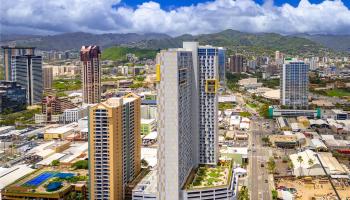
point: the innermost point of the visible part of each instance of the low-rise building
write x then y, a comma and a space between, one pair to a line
339, 114
307, 163
60, 133
249, 83
274, 111
150, 138
147, 126
283, 141
40, 185
146, 189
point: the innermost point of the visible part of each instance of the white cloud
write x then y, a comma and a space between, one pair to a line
99, 16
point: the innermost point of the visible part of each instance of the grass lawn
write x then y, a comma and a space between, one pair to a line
252, 105
338, 92
225, 106
67, 84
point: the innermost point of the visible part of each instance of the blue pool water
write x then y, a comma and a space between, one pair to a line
47, 175
40, 179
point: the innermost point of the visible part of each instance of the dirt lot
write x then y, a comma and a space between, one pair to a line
320, 188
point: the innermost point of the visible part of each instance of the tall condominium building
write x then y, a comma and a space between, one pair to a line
47, 77
114, 146
12, 97
222, 64
187, 110
205, 59
236, 64
178, 141
8, 52
294, 84
91, 74
27, 72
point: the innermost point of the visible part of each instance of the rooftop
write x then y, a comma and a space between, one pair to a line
39, 182
209, 176
9, 175
148, 185
147, 121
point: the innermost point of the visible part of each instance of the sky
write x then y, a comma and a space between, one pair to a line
174, 17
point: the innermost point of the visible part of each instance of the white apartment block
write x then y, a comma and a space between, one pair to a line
187, 114
74, 114
176, 151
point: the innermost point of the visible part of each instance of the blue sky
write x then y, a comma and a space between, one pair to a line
168, 4
175, 17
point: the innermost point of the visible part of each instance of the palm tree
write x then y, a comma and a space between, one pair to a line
300, 160
310, 162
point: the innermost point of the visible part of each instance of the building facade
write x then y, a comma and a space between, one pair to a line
91, 74
27, 72
114, 146
187, 114
12, 97
236, 64
222, 64
295, 84
8, 52
53, 106
47, 77
177, 144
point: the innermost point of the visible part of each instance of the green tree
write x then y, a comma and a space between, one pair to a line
81, 164
144, 163
310, 162
55, 163
245, 114
271, 165
264, 110
300, 160
274, 194
243, 194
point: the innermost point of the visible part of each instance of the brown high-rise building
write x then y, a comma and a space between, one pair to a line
8, 52
114, 146
47, 77
91, 73
236, 64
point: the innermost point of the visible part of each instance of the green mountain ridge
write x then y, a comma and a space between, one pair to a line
234, 40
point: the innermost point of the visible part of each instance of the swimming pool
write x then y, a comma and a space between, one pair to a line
40, 179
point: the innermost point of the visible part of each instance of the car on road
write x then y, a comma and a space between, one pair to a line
262, 165
266, 181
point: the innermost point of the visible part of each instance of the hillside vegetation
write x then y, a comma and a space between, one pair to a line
119, 53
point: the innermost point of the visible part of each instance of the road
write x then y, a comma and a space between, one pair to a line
259, 177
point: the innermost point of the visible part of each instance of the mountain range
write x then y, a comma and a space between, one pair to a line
228, 38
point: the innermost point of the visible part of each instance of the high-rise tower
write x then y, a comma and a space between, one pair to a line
295, 84
177, 145
114, 146
91, 73
187, 111
8, 52
47, 77
27, 72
